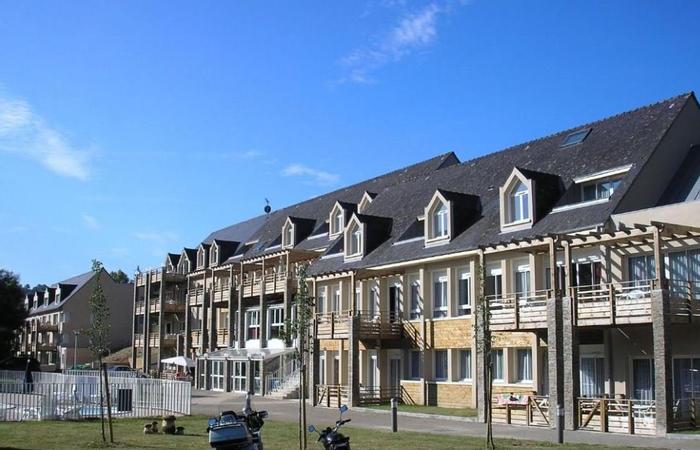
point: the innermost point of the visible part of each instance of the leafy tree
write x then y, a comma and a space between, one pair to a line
120, 276
99, 335
300, 329
13, 312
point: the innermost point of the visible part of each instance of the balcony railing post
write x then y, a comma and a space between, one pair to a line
516, 310
611, 299
603, 415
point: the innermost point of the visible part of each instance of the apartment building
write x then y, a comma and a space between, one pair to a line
58, 317
567, 267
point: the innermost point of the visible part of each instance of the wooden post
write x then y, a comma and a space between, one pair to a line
553, 268
659, 259
630, 419
603, 415
611, 299
516, 311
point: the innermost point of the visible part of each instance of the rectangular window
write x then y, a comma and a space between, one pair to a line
217, 375
497, 364
598, 190
441, 365
415, 365
686, 378
372, 372
440, 222
321, 300
253, 324
465, 364
275, 319
683, 267
494, 286
522, 282
335, 306
464, 302
416, 304
643, 379
524, 364
592, 376
439, 294
238, 376
641, 268
322, 369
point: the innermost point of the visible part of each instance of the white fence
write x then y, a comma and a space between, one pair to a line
54, 396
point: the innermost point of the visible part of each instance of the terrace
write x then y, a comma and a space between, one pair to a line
371, 325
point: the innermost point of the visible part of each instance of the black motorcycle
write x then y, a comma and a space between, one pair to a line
237, 431
330, 438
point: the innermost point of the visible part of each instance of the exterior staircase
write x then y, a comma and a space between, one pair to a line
287, 388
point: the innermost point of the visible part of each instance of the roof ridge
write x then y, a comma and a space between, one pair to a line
685, 96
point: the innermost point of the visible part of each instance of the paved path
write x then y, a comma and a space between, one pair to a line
211, 403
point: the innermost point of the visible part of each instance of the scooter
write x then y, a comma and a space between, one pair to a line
232, 431
330, 438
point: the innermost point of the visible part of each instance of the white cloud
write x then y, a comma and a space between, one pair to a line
412, 32
25, 133
249, 154
90, 222
119, 252
313, 176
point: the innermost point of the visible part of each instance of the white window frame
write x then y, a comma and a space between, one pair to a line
336, 221
288, 234
446, 362
416, 306
354, 239
216, 377
321, 300
464, 309
465, 374
275, 321
442, 278
239, 376
336, 299
519, 368
519, 201
494, 354
250, 313
441, 222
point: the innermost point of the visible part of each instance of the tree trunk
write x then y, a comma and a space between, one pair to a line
109, 404
304, 387
102, 410
489, 408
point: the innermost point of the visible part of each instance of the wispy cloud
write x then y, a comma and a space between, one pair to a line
25, 133
311, 176
90, 222
119, 252
249, 154
162, 237
413, 31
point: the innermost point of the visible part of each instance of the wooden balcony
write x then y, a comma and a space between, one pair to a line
336, 325
518, 311
222, 338
46, 326
622, 303
154, 339
158, 275
140, 307
46, 346
138, 340
221, 292
170, 339
528, 410
685, 300
196, 338
275, 283
332, 394
195, 296
627, 416
173, 305
154, 305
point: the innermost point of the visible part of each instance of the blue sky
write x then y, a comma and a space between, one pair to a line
128, 129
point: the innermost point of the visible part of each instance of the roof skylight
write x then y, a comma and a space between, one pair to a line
575, 138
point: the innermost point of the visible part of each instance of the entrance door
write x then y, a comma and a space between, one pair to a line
395, 376
393, 303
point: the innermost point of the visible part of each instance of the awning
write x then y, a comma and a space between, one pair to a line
243, 354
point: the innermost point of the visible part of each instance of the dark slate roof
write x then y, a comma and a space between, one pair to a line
239, 232
318, 208
174, 258
627, 138
69, 287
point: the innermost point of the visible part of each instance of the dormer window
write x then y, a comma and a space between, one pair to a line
214, 254
440, 221
367, 198
598, 190
519, 203
354, 239
337, 220
200, 258
288, 234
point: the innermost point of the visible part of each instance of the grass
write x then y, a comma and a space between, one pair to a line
460, 412
276, 435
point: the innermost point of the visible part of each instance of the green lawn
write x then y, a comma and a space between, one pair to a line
461, 412
276, 435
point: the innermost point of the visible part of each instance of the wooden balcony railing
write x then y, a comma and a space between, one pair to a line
170, 339
138, 339
196, 338
46, 326
174, 305
195, 296
140, 307
617, 415
222, 338
154, 339
376, 325
685, 299
332, 394
686, 413
529, 410
378, 395
627, 302
275, 282
518, 310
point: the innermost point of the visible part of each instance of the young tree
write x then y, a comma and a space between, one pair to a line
483, 342
300, 329
99, 345
13, 311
